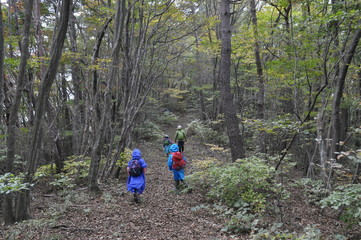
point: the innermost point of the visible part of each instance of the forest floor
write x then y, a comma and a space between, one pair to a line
162, 214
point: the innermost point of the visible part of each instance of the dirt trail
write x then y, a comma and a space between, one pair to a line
165, 214
162, 214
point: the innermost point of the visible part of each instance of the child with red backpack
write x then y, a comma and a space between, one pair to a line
136, 174
177, 163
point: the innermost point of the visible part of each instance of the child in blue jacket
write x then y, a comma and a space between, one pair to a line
136, 182
166, 144
178, 175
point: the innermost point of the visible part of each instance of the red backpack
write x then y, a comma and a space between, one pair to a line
178, 161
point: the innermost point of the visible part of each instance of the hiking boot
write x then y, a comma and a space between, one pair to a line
185, 185
136, 196
176, 185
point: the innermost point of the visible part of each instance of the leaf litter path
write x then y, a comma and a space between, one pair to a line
162, 214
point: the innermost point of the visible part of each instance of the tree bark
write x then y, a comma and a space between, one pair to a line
78, 111
215, 102
47, 81
337, 96
13, 116
39, 35
261, 88
105, 118
322, 147
203, 114
235, 139
2, 56
139, 43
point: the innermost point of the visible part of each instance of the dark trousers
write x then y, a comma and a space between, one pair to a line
181, 146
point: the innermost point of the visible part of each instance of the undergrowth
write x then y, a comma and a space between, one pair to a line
240, 189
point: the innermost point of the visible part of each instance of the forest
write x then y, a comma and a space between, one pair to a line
267, 91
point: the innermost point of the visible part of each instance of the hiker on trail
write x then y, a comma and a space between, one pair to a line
176, 163
136, 174
180, 138
166, 144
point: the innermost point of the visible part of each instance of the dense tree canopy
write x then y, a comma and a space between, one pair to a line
83, 79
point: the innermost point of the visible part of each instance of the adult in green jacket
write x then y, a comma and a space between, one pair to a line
180, 138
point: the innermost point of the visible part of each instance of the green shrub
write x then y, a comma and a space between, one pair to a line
275, 232
167, 118
124, 158
314, 189
148, 131
245, 181
201, 172
44, 172
77, 167
206, 133
310, 233
10, 183
62, 181
75, 171
240, 223
277, 131
346, 198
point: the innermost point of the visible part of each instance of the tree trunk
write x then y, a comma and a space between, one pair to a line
344, 123
137, 77
235, 139
105, 118
2, 56
357, 118
39, 35
13, 12
322, 148
214, 60
337, 96
215, 101
202, 105
47, 81
78, 111
203, 114
261, 88
13, 116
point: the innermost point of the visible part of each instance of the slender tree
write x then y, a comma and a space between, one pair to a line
77, 85
339, 89
2, 56
105, 117
13, 116
39, 35
260, 76
233, 132
47, 82
140, 41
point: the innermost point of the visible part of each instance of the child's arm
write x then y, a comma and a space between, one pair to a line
170, 163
